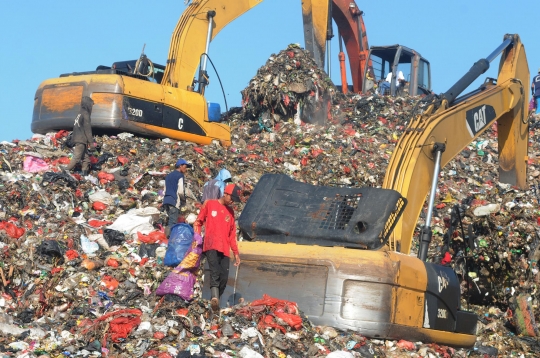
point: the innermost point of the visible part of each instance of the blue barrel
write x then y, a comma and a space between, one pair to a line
214, 112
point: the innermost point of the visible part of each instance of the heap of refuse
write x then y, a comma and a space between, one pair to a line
290, 84
81, 258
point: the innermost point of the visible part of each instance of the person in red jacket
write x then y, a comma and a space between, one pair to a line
217, 216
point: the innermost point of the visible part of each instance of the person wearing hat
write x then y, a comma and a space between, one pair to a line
217, 216
535, 87
175, 194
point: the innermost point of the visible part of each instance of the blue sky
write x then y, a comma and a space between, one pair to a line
42, 39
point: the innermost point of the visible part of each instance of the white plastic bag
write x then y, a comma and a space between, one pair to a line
101, 196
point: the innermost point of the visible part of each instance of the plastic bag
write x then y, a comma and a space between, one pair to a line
292, 320
34, 165
89, 247
101, 196
181, 280
11, 229
99, 206
152, 238
113, 237
178, 283
179, 242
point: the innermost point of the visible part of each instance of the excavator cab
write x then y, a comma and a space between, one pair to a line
395, 58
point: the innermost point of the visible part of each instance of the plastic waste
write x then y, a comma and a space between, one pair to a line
487, 209
247, 352
179, 242
89, 247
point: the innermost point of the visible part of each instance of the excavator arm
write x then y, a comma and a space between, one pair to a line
350, 24
454, 123
204, 19
189, 39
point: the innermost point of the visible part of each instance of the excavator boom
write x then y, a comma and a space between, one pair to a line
350, 24
456, 123
189, 38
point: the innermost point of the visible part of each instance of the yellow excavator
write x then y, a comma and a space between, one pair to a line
146, 98
343, 254
151, 99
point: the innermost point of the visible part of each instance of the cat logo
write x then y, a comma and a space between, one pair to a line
443, 281
479, 118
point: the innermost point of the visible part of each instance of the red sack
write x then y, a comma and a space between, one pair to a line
99, 206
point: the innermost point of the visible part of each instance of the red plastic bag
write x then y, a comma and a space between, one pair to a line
105, 176
153, 237
269, 322
122, 160
12, 230
121, 327
292, 320
98, 223
276, 305
109, 282
99, 206
71, 254
403, 344
61, 134
112, 263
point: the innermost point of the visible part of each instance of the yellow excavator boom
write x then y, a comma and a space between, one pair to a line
456, 123
189, 37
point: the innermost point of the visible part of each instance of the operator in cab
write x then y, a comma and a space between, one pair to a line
385, 85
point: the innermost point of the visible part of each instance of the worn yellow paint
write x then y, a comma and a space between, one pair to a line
317, 11
449, 338
59, 99
408, 308
107, 99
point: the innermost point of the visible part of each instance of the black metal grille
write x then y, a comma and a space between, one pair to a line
340, 212
392, 219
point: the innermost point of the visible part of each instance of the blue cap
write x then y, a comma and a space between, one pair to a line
182, 161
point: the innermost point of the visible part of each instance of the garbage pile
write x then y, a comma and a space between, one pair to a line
81, 258
289, 85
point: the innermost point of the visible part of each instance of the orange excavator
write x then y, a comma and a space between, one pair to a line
368, 67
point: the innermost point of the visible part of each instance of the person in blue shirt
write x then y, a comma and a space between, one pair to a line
175, 193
